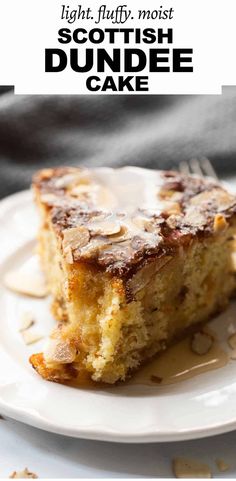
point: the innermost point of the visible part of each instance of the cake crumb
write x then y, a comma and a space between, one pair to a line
23, 474
222, 465
190, 468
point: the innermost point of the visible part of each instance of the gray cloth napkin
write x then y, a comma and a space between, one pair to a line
150, 131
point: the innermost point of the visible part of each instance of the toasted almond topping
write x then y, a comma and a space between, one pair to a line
93, 247
31, 337
48, 198
68, 255
46, 173
26, 321
123, 235
173, 209
140, 221
232, 341
105, 228
69, 180
23, 474
201, 343
145, 224
195, 218
75, 238
173, 221
77, 190
32, 285
220, 223
222, 465
190, 468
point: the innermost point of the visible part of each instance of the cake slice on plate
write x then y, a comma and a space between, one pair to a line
133, 258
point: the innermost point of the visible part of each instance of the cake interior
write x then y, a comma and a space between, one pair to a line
103, 333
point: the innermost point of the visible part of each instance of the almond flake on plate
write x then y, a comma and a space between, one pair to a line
201, 343
32, 285
31, 337
222, 465
23, 474
27, 320
190, 468
233, 355
232, 341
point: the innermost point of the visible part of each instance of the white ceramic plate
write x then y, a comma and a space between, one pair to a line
202, 406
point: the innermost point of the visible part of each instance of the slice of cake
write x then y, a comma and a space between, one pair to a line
133, 258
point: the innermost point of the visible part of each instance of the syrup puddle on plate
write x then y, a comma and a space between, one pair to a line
179, 363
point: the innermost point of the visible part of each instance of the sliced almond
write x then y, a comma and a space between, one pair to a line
145, 224
32, 285
105, 228
71, 179
232, 341
59, 351
81, 189
195, 218
31, 337
201, 343
69, 255
220, 223
23, 474
48, 198
26, 321
140, 222
173, 221
173, 209
233, 355
123, 235
76, 237
190, 468
222, 465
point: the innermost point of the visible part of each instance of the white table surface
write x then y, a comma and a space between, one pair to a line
53, 456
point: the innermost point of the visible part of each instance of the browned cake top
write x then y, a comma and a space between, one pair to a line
119, 219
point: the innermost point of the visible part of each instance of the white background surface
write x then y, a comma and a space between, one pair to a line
54, 456
207, 26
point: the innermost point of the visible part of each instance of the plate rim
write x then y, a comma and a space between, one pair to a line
146, 435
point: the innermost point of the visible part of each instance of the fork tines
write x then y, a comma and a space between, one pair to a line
202, 167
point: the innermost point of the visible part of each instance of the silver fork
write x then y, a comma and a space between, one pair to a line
202, 167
